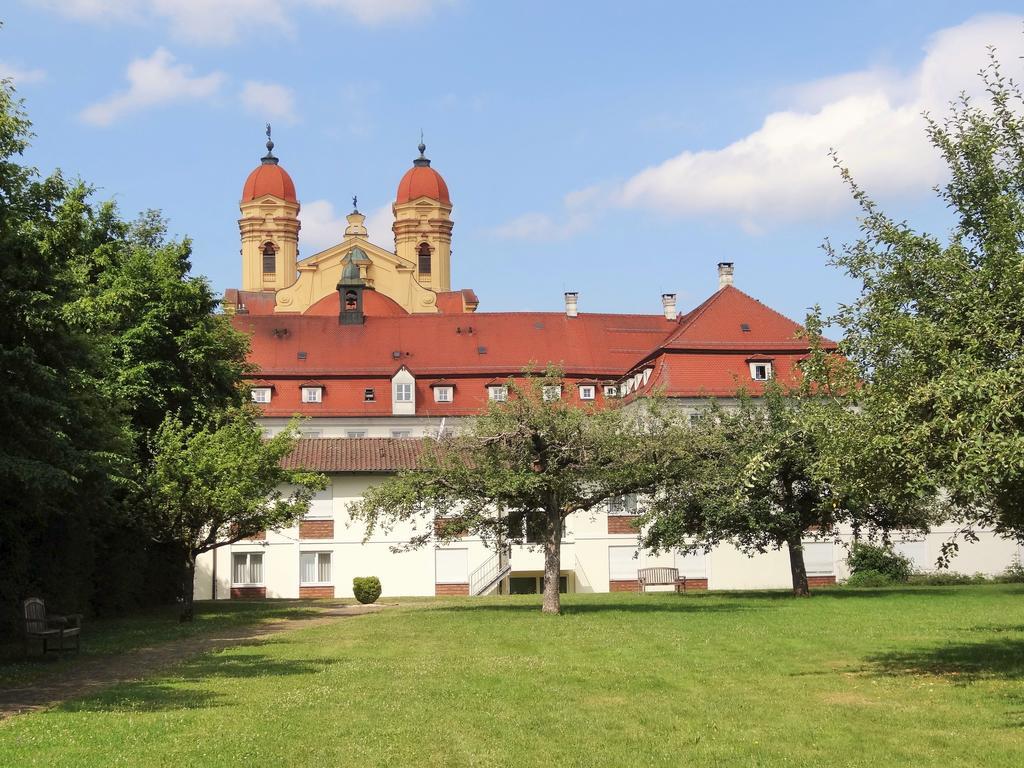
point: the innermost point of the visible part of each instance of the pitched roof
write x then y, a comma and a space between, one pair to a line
354, 454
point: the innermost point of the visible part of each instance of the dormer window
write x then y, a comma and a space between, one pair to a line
312, 394
587, 392
497, 393
269, 259
610, 390
369, 395
761, 371
552, 392
423, 254
443, 394
260, 394
403, 393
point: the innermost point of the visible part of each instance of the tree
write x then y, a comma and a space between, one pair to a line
218, 484
937, 331
761, 475
518, 471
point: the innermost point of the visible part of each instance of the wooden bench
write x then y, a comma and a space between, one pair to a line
658, 577
50, 628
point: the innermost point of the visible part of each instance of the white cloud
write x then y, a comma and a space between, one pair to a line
153, 82
20, 75
269, 101
782, 171
321, 228
221, 22
378, 227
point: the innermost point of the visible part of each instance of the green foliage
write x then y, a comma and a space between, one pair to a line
869, 577
864, 558
524, 466
366, 589
937, 332
1014, 573
948, 579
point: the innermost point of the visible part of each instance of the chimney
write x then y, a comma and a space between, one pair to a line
668, 304
725, 271
570, 303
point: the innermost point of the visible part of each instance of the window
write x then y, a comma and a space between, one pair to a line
312, 394
622, 565
534, 585
610, 390
351, 301
314, 567
368, 395
269, 258
355, 433
622, 505
401, 433
552, 392
321, 506
451, 566
498, 394
818, 559
916, 552
695, 419
311, 433
261, 394
403, 393
443, 394
760, 371
692, 565
247, 568
424, 258
587, 392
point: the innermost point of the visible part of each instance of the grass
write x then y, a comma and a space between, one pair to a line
160, 625
883, 677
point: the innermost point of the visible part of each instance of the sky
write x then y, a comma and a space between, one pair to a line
620, 150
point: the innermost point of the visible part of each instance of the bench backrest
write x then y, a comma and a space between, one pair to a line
658, 575
35, 615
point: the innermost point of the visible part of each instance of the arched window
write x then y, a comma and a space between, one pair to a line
269, 258
424, 254
351, 301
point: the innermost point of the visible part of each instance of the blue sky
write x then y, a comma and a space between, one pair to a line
619, 150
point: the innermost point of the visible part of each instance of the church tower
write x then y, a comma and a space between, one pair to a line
423, 224
269, 226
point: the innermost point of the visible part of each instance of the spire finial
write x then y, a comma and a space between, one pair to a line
422, 160
269, 159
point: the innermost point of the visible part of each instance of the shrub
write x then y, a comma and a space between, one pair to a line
1014, 573
867, 577
879, 560
366, 589
948, 579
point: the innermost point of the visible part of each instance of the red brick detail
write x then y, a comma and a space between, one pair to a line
621, 524
261, 536
626, 585
451, 589
316, 592
316, 529
440, 523
693, 584
248, 593
821, 581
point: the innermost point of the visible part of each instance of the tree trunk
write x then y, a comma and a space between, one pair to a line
188, 587
797, 568
552, 562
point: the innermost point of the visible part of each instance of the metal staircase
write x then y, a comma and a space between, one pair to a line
488, 576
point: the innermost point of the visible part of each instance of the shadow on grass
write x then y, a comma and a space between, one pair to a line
995, 659
181, 691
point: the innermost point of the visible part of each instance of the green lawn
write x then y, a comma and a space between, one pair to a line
916, 677
112, 636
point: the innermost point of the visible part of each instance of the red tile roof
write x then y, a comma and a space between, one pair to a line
354, 454
422, 181
269, 179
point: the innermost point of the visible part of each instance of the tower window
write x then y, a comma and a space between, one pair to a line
269, 258
424, 259
351, 301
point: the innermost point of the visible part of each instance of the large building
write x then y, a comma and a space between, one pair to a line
378, 352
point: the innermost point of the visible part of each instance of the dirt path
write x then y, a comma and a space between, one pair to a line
94, 674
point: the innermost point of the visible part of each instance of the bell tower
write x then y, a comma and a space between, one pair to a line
269, 226
423, 224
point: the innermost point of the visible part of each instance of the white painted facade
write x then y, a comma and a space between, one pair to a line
592, 558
